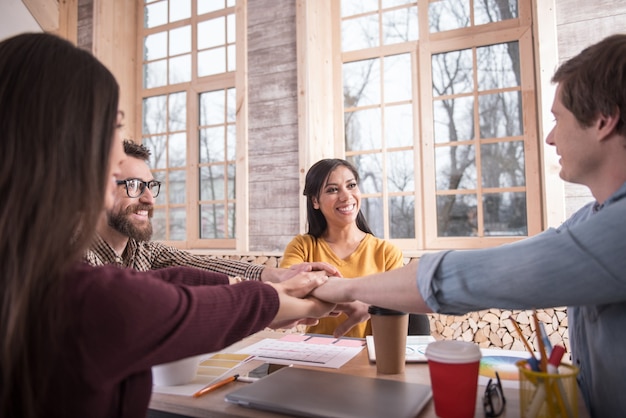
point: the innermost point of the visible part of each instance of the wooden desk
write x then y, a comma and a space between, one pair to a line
214, 405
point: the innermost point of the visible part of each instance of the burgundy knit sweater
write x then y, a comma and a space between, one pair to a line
124, 322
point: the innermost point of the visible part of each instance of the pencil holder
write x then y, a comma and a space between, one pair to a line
548, 394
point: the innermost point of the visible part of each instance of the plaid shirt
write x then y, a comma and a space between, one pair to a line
151, 255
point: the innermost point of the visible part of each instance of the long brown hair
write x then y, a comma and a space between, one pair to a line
58, 109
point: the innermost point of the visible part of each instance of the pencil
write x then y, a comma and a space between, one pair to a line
542, 349
216, 385
521, 335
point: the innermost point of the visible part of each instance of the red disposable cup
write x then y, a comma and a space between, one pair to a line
453, 367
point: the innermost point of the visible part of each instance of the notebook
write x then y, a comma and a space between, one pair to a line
415, 347
313, 393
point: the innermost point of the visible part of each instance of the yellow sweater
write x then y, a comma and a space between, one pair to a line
373, 255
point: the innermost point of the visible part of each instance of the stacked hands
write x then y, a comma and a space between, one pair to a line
308, 291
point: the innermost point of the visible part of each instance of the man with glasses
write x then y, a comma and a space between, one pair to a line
123, 236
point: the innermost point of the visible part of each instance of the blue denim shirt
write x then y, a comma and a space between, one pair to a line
581, 265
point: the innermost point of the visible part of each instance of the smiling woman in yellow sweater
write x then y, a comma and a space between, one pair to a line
339, 234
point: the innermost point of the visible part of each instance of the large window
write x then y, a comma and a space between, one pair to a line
439, 109
189, 118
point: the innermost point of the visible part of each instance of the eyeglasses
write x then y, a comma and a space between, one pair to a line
136, 187
493, 400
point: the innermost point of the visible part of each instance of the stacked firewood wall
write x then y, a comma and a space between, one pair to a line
489, 328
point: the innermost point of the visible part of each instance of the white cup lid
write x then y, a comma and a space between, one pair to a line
453, 352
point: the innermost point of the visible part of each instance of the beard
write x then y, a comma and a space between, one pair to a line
121, 222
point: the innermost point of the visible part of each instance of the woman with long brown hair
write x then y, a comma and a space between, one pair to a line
75, 340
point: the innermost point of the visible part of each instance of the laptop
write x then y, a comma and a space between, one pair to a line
313, 393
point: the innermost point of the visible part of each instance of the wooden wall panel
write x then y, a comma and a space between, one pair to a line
272, 124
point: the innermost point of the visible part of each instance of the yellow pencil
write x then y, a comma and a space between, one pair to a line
521, 335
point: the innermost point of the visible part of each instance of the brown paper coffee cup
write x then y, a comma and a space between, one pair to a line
389, 329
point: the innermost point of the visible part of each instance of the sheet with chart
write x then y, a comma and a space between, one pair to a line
307, 350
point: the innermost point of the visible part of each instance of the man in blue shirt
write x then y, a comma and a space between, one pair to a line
581, 264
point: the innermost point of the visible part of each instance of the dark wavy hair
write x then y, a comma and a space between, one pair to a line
135, 150
316, 178
594, 82
58, 111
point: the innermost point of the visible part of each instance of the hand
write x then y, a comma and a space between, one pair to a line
290, 324
277, 275
356, 312
334, 290
317, 266
301, 284
294, 311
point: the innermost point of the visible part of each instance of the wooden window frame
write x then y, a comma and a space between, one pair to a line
536, 94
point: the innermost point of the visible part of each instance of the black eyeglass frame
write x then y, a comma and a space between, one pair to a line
493, 388
143, 185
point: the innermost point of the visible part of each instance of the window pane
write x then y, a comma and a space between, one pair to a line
498, 66
212, 33
212, 221
155, 74
391, 3
179, 10
231, 105
359, 33
402, 216
400, 171
177, 111
505, 214
158, 224
455, 167
231, 50
206, 6
177, 224
155, 46
180, 69
452, 73
180, 40
400, 25
503, 164
448, 15
500, 115
153, 111
161, 198
487, 11
158, 157
211, 62
177, 150
231, 171
176, 187
212, 145
212, 182
454, 119
372, 209
399, 126
231, 142
361, 83
456, 216
363, 130
212, 107
353, 7
231, 29
370, 167
398, 80
155, 14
